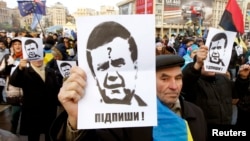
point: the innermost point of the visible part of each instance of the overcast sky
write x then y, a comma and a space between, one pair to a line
72, 5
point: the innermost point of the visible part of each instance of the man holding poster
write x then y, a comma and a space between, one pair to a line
111, 96
170, 126
214, 93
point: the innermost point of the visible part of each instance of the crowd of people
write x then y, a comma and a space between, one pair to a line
186, 92
224, 101
38, 80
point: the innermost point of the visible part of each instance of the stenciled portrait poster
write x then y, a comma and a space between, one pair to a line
32, 48
118, 56
65, 66
220, 44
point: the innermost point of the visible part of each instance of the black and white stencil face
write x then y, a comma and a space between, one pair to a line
115, 72
216, 50
31, 50
65, 69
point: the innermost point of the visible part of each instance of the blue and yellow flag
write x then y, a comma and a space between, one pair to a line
171, 127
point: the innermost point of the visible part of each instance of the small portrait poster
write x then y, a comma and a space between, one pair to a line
119, 60
2, 82
239, 50
65, 66
32, 48
220, 44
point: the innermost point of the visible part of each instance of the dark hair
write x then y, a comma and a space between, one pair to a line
50, 40
65, 64
187, 39
29, 41
4, 42
219, 36
105, 33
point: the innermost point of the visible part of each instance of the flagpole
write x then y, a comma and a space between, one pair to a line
39, 23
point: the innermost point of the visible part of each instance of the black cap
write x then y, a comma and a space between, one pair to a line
170, 60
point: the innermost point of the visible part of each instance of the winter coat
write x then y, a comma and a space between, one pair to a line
52, 65
213, 94
191, 113
40, 99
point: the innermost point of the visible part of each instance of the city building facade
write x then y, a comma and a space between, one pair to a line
56, 15
171, 16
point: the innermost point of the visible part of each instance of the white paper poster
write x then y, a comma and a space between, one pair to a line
220, 44
118, 56
32, 48
65, 66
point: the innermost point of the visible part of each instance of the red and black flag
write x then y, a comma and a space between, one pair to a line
232, 18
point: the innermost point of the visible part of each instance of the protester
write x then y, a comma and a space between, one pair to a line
3, 51
243, 105
49, 43
169, 83
186, 43
59, 53
40, 89
189, 57
213, 92
7, 64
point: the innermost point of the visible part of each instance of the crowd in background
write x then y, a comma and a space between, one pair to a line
39, 81
224, 104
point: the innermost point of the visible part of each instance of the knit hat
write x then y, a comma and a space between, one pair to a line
192, 48
60, 49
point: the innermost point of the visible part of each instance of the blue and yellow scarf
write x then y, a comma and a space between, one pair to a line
170, 127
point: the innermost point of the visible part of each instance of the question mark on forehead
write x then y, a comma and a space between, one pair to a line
110, 49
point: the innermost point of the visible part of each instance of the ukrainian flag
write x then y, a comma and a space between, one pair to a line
47, 56
171, 127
